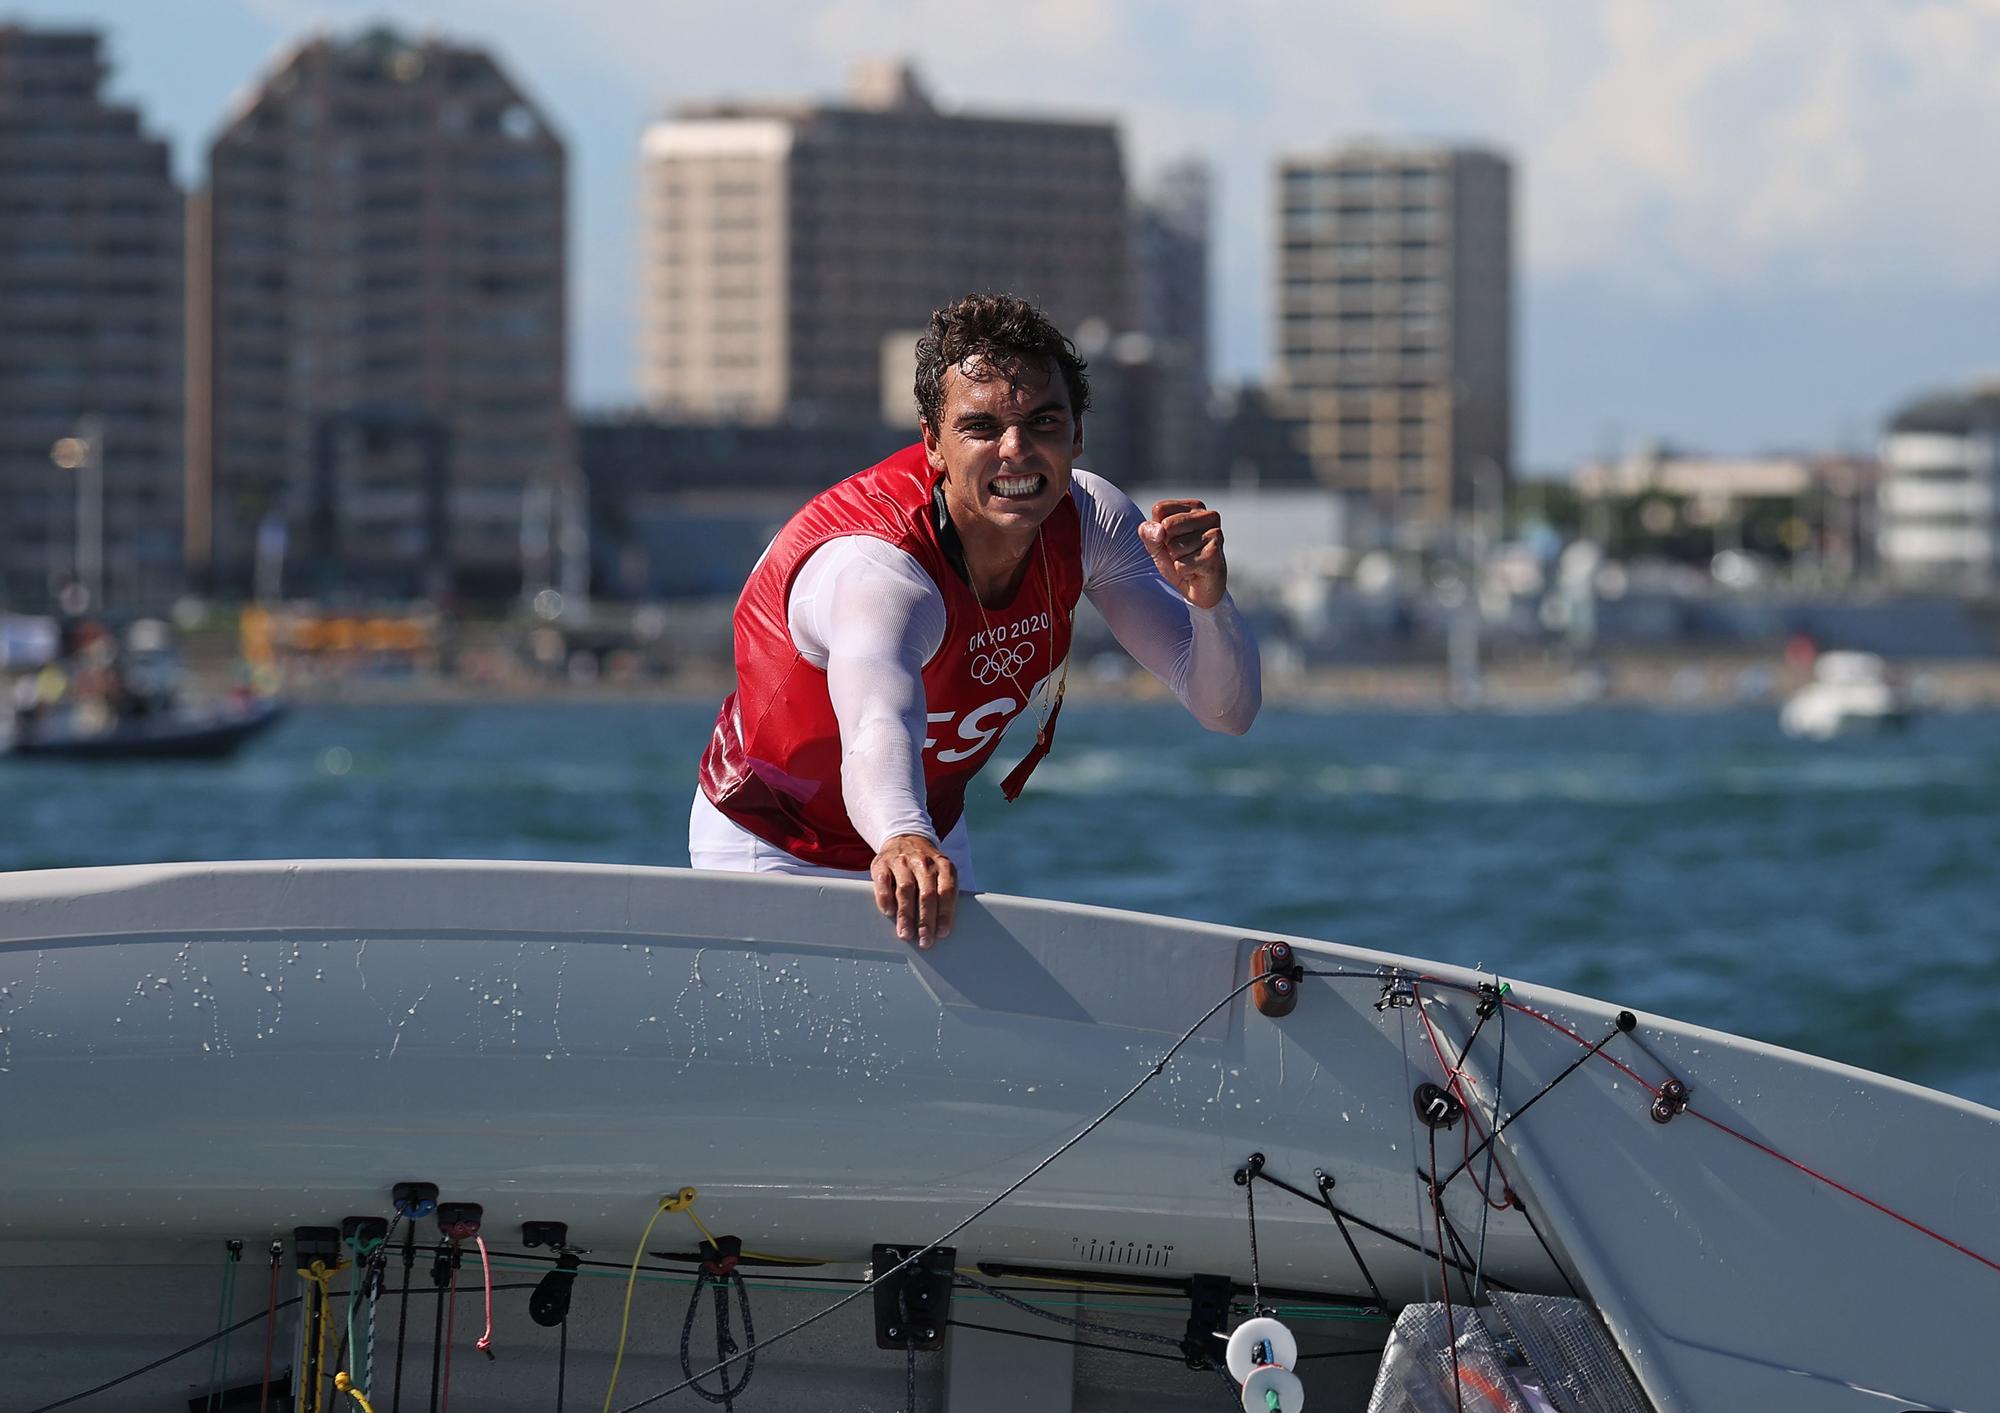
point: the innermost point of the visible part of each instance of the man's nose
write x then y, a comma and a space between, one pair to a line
1013, 442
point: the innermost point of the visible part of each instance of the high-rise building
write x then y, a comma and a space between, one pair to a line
1170, 235
784, 242
1939, 506
379, 349
90, 332
1394, 328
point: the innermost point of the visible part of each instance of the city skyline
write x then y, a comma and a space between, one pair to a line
1734, 227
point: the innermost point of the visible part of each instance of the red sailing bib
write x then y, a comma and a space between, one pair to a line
773, 761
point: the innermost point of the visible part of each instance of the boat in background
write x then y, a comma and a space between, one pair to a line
1850, 693
209, 731
195, 1054
101, 696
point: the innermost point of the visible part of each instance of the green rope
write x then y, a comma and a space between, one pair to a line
218, 1362
363, 1251
1289, 1312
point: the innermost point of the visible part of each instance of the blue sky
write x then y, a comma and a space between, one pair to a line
1743, 224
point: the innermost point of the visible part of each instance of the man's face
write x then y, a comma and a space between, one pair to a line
1003, 446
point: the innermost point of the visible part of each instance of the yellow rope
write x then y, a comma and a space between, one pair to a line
683, 1201
675, 1202
320, 1274
343, 1384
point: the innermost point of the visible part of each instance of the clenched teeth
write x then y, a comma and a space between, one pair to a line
1017, 485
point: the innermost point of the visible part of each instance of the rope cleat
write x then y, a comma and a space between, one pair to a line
1399, 991
459, 1221
554, 1235
414, 1200
1278, 973
719, 1257
321, 1244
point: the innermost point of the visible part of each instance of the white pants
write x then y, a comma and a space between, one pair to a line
716, 841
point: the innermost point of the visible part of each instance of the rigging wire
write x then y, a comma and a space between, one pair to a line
1486, 1182
1410, 1117
1158, 1068
166, 1359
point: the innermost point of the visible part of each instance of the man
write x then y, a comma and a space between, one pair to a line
905, 616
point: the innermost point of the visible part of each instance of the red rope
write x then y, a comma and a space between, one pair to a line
270, 1334
1452, 1074
1911, 1223
1444, 1272
485, 1344
1766, 1149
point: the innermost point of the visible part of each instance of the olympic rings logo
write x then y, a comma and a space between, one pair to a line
989, 668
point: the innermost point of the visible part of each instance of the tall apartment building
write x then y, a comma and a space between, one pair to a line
90, 326
378, 337
1939, 495
1394, 328
784, 242
1170, 233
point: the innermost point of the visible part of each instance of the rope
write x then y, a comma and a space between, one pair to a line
1256, 1290
320, 1276
167, 1359
403, 1314
450, 1304
1486, 1182
440, 1273
1410, 1118
343, 1384
218, 1362
1444, 1276
725, 1345
270, 1331
673, 1203
484, 1344
1159, 1067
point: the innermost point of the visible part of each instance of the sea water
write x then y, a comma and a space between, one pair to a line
1839, 898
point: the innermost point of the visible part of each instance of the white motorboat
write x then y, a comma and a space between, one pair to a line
192, 1055
1850, 693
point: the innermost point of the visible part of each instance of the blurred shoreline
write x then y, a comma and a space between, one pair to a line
1656, 680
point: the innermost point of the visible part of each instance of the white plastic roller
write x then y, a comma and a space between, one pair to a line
1242, 1354
1270, 1387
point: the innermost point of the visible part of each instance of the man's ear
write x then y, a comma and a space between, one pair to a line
932, 452
1076, 447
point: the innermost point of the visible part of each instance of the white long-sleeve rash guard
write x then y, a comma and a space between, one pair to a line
868, 614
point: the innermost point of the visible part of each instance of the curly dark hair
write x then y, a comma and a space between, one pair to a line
1006, 333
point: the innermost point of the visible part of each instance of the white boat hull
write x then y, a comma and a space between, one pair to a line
200, 1052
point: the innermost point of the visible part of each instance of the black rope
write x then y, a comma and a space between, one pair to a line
1256, 1291
562, 1362
1115, 1331
403, 1315
1444, 1274
1486, 1182
1074, 1343
440, 1273
725, 1344
194, 1348
1396, 1238
1340, 1221
909, 1351
913, 1257
1533, 1099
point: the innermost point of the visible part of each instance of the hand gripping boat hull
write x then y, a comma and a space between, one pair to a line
191, 1054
